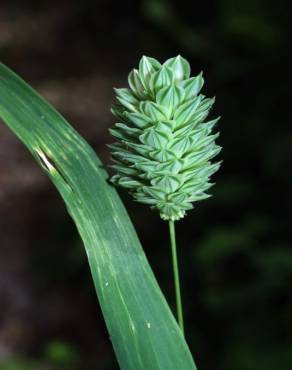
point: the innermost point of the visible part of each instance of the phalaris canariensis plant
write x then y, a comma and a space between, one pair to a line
165, 145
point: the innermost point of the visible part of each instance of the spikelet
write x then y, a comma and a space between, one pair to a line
164, 145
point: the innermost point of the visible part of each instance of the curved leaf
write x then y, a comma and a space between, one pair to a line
142, 328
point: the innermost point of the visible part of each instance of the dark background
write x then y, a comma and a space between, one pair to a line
234, 249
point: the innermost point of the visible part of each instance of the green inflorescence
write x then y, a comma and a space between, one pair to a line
164, 144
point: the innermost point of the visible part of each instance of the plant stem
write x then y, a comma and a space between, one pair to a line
176, 276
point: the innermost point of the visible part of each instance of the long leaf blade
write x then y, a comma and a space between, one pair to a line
142, 328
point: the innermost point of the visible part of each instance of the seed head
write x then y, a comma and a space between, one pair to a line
164, 144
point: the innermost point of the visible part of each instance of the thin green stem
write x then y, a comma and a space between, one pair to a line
176, 276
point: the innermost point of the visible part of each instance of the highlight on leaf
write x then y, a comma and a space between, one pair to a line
164, 144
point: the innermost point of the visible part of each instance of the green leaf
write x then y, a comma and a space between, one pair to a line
165, 126
154, 111
118, 111
126, 156
169, 183
181, 145
196, 158
163, 155
186, 111
147, 67
170, 97
126, 104
154, 138
180, 68
146, 165
126, 182
140, 149
173, 166
136, 84
138, 119
192, 86
154, 191
162, 78
192, 186
143, 330
207, 171
125, 170
145, 199
199, 196
126, 95
124, 132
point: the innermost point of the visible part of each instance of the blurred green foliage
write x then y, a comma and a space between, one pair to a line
57, 355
